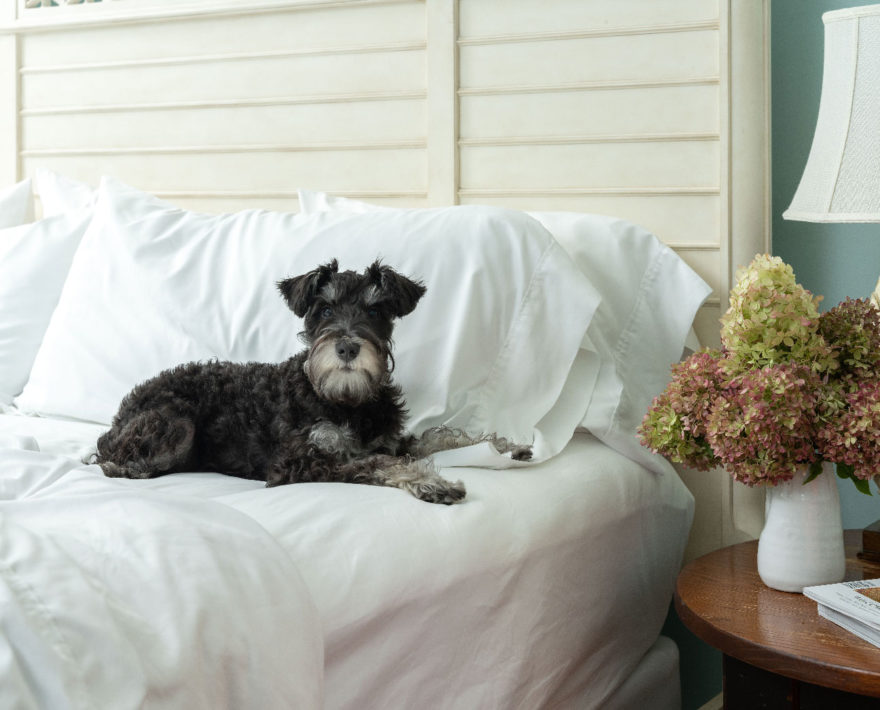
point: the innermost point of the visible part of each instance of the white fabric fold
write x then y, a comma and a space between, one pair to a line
118, 597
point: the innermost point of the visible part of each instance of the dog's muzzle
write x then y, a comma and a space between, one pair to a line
346, 369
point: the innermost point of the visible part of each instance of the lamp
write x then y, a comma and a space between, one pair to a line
841, 181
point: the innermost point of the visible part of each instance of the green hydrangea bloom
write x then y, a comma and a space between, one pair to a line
773, 320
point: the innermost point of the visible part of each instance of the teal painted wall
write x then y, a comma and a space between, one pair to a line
699, 664
835, 260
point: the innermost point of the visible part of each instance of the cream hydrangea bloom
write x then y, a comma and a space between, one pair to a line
773, 320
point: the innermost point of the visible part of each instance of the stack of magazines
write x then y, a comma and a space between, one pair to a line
853, 605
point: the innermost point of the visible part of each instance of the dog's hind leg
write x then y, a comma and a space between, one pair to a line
444, 438
416, 477
149, 444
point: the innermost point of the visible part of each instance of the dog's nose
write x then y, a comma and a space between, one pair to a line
347, 350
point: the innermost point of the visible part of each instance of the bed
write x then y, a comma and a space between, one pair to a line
574, 185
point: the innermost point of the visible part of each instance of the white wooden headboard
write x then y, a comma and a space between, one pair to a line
652, 110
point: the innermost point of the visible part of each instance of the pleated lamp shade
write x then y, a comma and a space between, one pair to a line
841, 182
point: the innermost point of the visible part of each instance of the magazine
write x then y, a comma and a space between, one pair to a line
854, 626
853, 605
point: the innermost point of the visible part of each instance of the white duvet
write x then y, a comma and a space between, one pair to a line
545, 588
117, 597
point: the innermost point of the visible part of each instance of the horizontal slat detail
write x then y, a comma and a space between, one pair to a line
663, 109
494, 17
221, 204
574, 140
643, 58
592, 32
696, 246
262, 173
374, 196
368, 121
598, 85
525, 192
224, 104
223, 149
258, 79
685, 165
678, 218
232, 22
138, 64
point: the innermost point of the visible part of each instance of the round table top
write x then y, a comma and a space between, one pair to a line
721, 598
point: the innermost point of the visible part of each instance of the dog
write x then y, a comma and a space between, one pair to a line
329, 413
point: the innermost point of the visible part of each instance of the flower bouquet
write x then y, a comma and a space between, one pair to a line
789, 388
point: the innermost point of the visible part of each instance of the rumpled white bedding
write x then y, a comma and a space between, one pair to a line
118, 597
549, 583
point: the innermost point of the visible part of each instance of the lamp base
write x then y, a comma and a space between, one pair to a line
871, 543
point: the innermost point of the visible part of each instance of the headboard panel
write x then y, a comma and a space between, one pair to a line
221, 112
651, 110
601, 107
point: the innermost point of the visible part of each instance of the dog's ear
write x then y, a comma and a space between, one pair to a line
300, 291
401, 293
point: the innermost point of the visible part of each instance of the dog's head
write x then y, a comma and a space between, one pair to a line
349, 318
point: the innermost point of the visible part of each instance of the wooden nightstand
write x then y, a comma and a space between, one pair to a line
778, 652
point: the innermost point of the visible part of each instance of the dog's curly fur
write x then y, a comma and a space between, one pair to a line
330, 413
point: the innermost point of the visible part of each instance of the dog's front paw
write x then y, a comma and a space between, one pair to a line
438, 491
521, 453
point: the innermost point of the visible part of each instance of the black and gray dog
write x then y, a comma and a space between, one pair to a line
330, 413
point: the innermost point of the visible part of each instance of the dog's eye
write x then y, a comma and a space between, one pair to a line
373, 312
326, 312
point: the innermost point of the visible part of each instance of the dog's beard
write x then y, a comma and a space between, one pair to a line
353, 382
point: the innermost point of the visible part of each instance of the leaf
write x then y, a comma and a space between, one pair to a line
844, 471
862, 486
815, 470
847, 471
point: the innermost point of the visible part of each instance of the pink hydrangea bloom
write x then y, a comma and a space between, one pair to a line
852, 328
852, 437
762, 431
675, 425
791, 387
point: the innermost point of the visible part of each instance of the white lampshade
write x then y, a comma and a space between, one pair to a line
841, 182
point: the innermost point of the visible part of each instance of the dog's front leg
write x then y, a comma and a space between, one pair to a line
312, 464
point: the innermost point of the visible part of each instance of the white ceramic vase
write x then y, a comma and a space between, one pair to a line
802, 540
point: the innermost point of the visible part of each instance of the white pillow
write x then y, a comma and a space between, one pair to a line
649, 298
34, 261
311, 201
488, 348
16, 204
60, 194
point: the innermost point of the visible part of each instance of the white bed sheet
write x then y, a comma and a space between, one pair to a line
549, 583
114, 597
